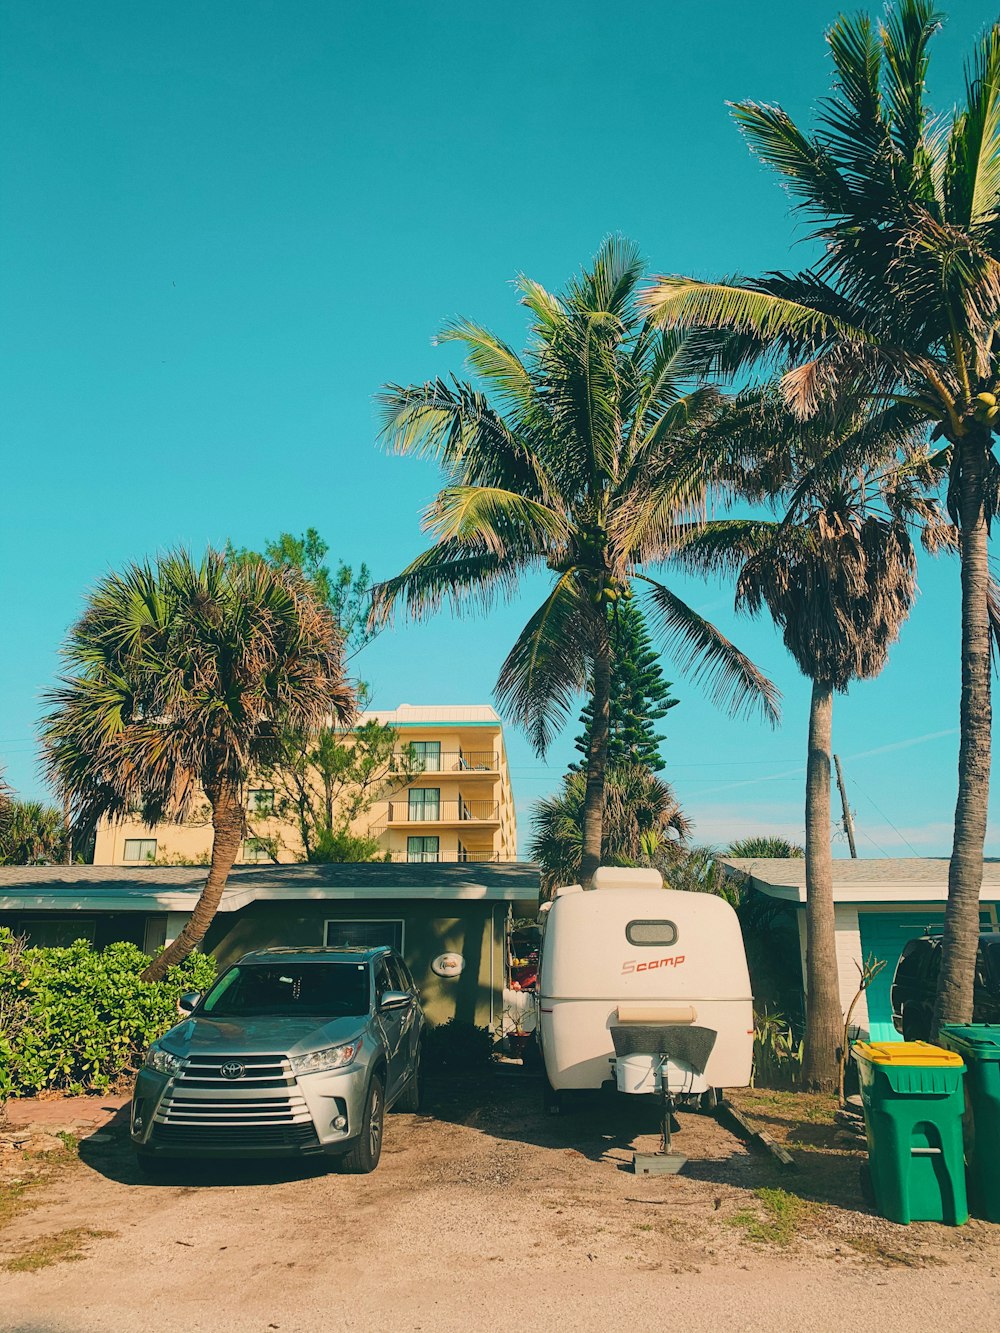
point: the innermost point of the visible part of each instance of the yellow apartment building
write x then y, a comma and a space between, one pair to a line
457, 806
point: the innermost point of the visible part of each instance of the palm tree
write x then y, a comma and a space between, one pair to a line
578, 461
641, 814
905, 295
181, 678
837, 572
765, 848
34, 834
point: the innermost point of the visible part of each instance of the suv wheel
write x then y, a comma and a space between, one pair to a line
363, 1157
150, 1165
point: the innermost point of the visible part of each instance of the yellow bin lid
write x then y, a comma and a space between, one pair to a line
920, 1053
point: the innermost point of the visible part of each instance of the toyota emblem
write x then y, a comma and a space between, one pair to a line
233, 1069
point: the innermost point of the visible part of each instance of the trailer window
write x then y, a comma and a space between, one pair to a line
651, 932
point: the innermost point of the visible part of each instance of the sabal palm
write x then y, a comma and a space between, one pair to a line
837, 572
641, 813
906, 293
181, 679
578, 459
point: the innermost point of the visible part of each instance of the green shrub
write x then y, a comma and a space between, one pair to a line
77, 1018
457, 1048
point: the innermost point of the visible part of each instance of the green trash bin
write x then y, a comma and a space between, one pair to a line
913, 1101
979, 1046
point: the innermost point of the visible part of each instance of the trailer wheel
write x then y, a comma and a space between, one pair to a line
709, 1101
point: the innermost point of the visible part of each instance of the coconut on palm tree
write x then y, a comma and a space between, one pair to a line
575, 459
837, 573
906, 296
181, 679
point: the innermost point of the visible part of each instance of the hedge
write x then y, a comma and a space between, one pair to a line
79, 1019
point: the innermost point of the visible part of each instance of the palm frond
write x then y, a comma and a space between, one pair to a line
499, 521
549, 665
452, 573
707, 655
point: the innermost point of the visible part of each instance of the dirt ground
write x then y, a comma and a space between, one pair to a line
484, 1214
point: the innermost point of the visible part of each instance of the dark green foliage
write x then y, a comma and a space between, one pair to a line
765, 847
79, 1019
643, 824
640, 696
344, 593
32, 834
457, 1048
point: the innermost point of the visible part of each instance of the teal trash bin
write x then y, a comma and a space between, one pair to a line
913, 1103
979, 1046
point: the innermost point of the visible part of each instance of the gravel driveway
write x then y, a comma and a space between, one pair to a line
483, 1215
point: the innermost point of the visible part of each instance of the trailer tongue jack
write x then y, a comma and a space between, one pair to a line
669, 1059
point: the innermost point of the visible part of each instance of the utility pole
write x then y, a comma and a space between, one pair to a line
848, 819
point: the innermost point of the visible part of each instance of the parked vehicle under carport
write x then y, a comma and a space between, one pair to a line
291, 1052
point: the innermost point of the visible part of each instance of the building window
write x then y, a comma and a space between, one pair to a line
423, 849
425, 803
427, 755
260, 801
155, 934
57, 932
140, 849
364, 934
256, 850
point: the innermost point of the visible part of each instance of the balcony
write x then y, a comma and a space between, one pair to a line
448, 858
460, 761
443, 812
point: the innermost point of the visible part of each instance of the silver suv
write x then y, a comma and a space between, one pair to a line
292, 1051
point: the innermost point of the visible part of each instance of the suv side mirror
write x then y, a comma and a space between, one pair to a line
189, 1002
395, 999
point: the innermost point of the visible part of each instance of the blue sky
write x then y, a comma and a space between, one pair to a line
224, 226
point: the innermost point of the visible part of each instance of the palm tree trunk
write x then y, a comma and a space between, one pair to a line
597, 763
228, 824
965, 873
824, 1018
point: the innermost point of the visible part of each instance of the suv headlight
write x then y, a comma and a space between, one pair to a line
331, 1057
163, 1061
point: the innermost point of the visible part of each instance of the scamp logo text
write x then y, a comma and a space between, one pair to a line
630, 965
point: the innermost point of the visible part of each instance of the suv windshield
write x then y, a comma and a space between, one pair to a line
326, 990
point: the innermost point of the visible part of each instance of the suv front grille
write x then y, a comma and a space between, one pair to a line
265, 1096
302, 1137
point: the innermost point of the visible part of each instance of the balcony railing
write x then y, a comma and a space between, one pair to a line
443, 812
438, 858
459, 761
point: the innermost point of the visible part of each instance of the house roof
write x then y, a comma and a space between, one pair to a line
889, 879
176, 888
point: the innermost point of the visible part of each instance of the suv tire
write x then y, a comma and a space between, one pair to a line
365, 1154
151, 1166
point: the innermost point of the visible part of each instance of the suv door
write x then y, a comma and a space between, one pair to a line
395, 1025
400, 976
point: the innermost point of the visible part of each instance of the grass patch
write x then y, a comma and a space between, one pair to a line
12, 1199
63, 1247
783, 1212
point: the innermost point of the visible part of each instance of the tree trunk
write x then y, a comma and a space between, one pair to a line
228, 826
597, 763
824, 1016
965, 873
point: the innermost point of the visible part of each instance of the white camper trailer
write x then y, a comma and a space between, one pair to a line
644, 986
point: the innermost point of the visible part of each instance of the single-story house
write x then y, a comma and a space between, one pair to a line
878, 906
448, 921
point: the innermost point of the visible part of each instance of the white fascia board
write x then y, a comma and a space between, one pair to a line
882, 892
235, 898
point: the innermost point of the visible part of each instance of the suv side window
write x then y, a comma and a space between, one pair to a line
382, 982
406, 975
396, 973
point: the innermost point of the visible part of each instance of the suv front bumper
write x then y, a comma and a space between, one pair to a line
172, 1116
